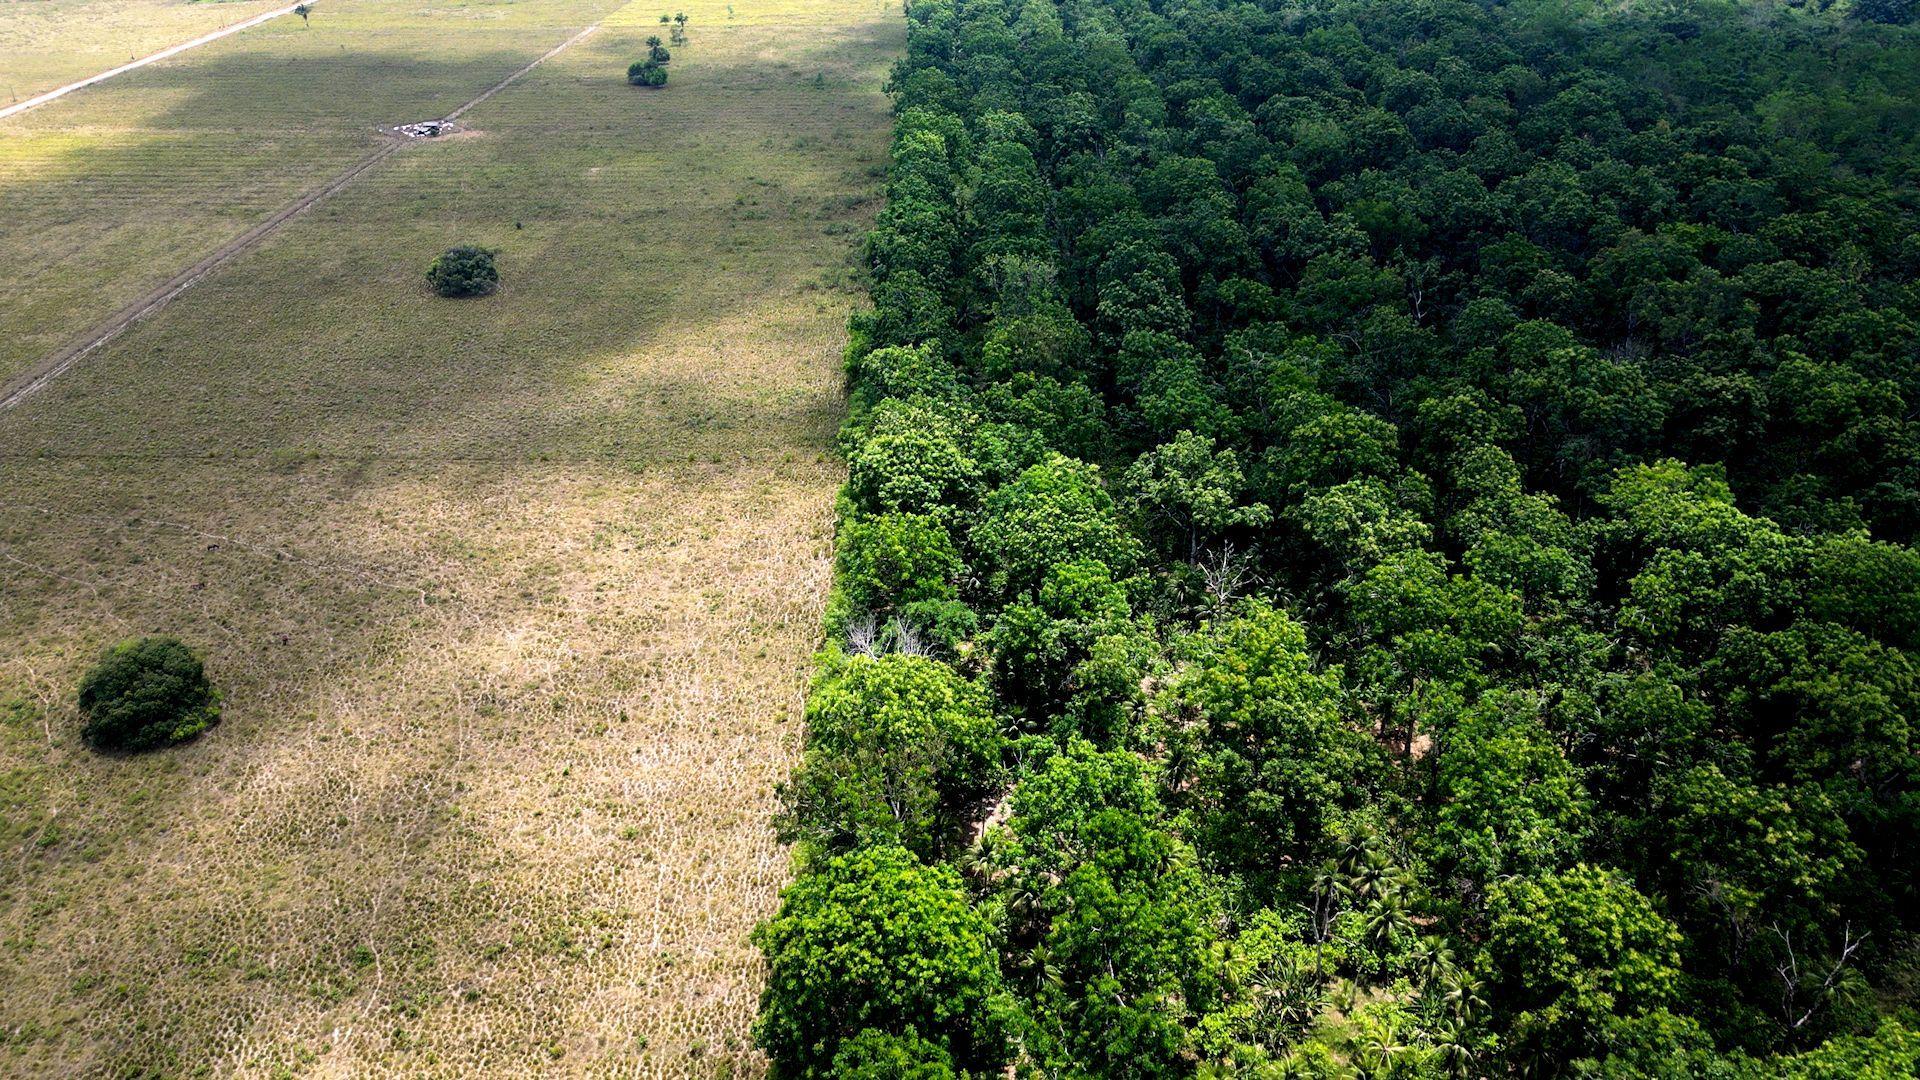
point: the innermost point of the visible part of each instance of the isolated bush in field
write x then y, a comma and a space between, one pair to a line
647, 73
878, 940
656, 51
900, 749
146, 693
464, 271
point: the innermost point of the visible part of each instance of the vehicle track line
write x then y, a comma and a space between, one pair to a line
53, 366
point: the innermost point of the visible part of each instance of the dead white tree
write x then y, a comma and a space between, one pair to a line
1791, 981
1225, 573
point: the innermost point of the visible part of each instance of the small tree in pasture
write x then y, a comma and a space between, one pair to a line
146, 693
647, 73
464, 271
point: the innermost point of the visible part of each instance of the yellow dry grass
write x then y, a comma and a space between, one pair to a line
511, 599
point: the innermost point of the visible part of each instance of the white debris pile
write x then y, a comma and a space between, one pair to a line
425, 129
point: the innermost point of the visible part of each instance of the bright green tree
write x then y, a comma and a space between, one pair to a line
900, 749
875, 939
1056, 511
1571, 953
1263, 756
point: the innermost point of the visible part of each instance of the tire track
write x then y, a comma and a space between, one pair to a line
56, 364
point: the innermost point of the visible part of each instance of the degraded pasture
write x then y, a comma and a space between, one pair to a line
510, 598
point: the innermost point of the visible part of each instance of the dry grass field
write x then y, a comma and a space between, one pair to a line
49, 43
511, 599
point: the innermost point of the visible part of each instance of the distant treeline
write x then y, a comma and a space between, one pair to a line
1376, 544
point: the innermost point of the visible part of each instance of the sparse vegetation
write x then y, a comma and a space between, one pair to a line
52, 42
464, 271
147, 693
656, 51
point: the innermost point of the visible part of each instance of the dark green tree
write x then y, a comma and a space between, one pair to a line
464, 271
146, 693
647, 72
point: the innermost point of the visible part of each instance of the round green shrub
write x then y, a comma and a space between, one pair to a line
647, 73
464, 271
146, 693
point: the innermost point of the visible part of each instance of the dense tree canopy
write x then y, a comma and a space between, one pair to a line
1395, 526
877, 940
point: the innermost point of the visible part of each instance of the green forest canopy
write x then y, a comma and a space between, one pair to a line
1378, 542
